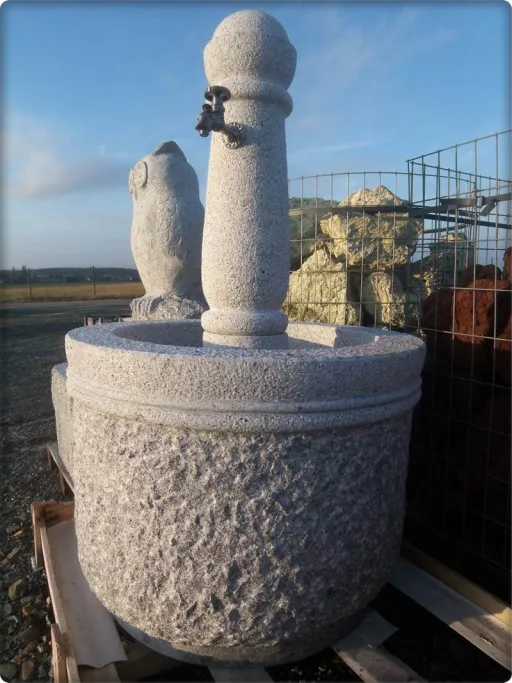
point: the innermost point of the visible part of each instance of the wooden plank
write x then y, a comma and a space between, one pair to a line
65, 481
482, 629
373, 664
221, 675
58, 512
36, 511
488, 602
49, 457
59, 673
58, 610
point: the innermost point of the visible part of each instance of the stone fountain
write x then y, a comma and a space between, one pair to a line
240, 481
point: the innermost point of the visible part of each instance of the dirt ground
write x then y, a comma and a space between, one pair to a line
32, 342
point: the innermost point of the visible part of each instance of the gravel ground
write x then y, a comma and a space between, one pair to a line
32, 342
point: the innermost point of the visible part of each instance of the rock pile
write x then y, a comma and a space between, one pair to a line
469, 325
356, 273
465, 412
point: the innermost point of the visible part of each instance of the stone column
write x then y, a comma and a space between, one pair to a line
246, 241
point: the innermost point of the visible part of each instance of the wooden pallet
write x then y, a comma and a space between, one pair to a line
364, 651
55, 463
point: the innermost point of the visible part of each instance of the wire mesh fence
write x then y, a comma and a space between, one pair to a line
427, 252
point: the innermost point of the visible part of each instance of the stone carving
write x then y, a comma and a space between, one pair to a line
166, 235
319, 292
240, 482
377, 241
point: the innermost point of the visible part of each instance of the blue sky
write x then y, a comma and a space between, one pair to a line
90, 88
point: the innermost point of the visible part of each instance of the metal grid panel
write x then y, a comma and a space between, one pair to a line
402, 251
459, 482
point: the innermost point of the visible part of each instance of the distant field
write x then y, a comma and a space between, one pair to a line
81, 291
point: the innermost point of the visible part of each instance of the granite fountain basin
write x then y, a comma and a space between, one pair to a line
237, 505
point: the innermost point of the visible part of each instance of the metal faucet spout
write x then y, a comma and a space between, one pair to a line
211, 119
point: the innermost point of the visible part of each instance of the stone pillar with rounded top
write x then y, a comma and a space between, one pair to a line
246, 242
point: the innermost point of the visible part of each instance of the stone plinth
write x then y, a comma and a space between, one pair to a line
166, 235
246, 244
234, 505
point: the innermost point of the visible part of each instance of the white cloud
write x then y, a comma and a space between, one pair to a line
41, 162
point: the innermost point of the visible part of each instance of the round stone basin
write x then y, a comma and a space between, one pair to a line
235, 506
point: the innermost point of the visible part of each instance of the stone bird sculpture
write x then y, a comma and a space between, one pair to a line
166, 235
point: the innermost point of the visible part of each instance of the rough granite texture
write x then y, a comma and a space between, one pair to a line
250, 548
166, 307
63, 406
255, 497
245, 274
166, 235
157, 370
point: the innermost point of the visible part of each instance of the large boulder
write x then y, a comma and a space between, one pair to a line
481, 312
319, 292
422, 278
305, 229
379, 241
383, 297
460, 324
478, 272
450, 261
449, 255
